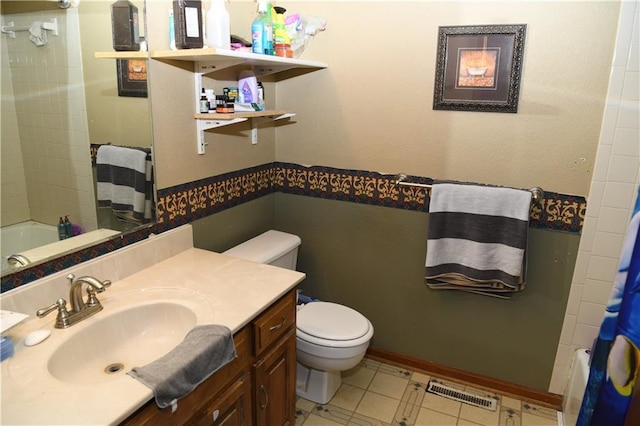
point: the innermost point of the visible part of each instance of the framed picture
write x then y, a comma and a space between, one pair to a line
478, 68
132, 77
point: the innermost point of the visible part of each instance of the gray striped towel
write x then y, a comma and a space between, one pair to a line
125, 182
477, 239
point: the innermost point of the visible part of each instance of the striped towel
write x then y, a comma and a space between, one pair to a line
477, 238
125, 181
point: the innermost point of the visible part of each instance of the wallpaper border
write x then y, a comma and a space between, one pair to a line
187, 202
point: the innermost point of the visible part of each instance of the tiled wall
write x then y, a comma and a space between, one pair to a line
15, 206
611, 198
52, 120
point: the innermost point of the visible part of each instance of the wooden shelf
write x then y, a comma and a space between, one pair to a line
247, 114
213, 60
122, 55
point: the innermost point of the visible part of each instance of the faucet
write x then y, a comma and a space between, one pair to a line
18, 260
75, 292
79, 310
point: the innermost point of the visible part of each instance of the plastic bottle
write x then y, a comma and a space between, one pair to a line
262, 30
68, 228
217, 26
248, 88
280, 35
62, 230
172, 31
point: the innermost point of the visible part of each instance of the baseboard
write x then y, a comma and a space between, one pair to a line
546, 399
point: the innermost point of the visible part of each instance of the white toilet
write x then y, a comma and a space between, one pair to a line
330, 337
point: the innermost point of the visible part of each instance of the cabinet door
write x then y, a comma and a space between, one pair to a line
275, 383
232, 407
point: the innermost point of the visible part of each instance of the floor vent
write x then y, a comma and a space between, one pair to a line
462, 396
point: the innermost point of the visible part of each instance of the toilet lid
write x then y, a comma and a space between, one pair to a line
331, 321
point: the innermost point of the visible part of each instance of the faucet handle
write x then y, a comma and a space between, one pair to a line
63, 314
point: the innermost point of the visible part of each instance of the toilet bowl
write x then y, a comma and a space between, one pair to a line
330, 337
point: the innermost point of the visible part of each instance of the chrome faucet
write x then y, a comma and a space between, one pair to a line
79, 309
18, 260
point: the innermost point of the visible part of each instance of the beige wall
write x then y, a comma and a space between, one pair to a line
372, 108
111, 118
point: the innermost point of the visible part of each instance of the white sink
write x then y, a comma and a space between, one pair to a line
132, 330
116, 343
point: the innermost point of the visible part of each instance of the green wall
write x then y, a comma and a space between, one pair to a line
372, 259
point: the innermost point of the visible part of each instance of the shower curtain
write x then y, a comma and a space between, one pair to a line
616, 355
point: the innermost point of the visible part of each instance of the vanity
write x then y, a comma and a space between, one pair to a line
78, 374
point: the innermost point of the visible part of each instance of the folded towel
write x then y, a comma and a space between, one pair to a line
203, 351
125, 181
477, 238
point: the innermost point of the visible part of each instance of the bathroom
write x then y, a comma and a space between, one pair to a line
371, 111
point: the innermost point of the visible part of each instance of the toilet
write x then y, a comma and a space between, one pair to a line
330, 337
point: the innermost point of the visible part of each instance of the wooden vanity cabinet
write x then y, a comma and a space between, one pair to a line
274, 371
258, 387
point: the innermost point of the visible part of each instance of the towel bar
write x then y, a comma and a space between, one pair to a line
536, 191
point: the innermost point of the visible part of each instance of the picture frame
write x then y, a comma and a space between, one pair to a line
132, 77
478, 68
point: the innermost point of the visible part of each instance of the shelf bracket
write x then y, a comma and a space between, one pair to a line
257, 120
212, 124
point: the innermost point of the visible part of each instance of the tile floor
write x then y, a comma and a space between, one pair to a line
381, 394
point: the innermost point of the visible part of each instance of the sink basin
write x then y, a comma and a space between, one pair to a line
122, 336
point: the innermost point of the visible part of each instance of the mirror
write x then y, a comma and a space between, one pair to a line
59, 105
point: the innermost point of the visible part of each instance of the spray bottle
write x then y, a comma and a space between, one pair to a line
217, 26
262, 30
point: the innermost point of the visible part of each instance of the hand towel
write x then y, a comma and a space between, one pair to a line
37, 34
124, 181
203, 351
477, 238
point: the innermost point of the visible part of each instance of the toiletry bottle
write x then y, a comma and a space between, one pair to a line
258, 28
247, 87
204, 102
187, 18
68, 228
217, 26
62, 230
280, 35
260, 96
172, 31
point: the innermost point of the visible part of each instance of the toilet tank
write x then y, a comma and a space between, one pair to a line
273, 247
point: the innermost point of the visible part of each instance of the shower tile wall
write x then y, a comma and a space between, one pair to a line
611, 198
52, 124
15, 207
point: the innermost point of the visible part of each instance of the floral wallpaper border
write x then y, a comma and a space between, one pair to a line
184, 203
194, 200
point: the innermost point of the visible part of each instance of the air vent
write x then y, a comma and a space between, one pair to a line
462, 396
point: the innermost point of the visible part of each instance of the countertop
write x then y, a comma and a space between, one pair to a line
232, 292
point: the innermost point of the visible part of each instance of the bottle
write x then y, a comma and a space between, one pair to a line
204, 102
62, 230
260, 96
280, 35
68, 228
258, 29
172, 31
217, 26
247, 88
187, 18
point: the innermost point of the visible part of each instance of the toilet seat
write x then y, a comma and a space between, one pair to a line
331, 324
